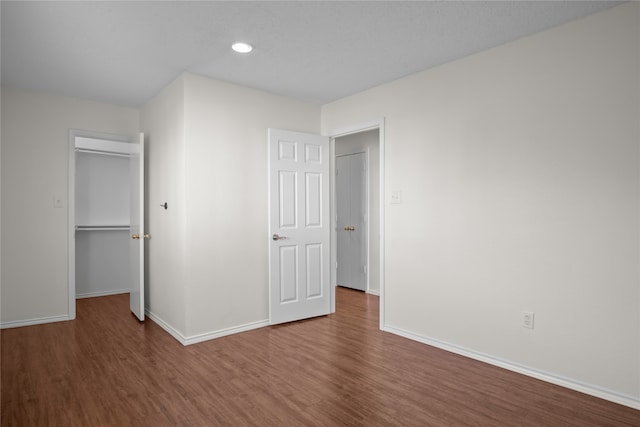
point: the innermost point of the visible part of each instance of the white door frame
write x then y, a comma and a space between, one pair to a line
357, 128
73, 133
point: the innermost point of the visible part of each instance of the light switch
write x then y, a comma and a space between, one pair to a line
396, 197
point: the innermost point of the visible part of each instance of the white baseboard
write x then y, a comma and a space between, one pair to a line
102, 294
224, 332
167, 327
373, 292
589, 389
31, 322
194, 339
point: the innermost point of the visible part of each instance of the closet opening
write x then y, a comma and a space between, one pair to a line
102, 198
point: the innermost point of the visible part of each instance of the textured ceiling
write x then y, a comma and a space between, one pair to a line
126, 52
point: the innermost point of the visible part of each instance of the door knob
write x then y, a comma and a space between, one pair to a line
137, 236
276, 237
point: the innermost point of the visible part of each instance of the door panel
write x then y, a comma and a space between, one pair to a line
314, 263
136, 245
351, 211
299, 226
288, 194
288, 274
313, 196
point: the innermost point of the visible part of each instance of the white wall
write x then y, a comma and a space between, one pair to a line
226, 172
162, 121
207, 257
519, 170
368, 142
102, 263
35, 152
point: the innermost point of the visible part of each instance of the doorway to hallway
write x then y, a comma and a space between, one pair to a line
358, 210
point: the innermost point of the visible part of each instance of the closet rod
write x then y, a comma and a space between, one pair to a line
102, 228
106, 153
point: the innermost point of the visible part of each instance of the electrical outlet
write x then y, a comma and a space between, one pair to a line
527, 319
396, 197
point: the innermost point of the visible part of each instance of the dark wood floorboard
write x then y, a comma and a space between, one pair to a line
106, 369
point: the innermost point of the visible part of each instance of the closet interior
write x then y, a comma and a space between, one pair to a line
101, 211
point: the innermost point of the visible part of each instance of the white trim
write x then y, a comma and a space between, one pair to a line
167, 327
224, 332
381, 261
206, 336
71, 214
102, 294
373, 292
357, 128
590, 389
367, 234
31, 322
362, 127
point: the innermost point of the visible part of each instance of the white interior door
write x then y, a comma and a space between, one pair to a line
136, 245
351, 221
299, 251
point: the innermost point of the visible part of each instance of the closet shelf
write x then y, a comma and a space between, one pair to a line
101, 227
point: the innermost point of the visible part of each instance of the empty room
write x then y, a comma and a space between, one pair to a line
320, 213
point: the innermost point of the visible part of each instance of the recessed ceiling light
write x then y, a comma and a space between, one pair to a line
242, 47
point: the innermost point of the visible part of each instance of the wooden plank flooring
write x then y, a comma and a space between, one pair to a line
106, 369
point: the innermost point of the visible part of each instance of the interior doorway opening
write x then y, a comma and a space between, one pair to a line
357, 211
106, 206
366, 138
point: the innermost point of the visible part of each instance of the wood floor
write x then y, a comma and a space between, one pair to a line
106, 369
